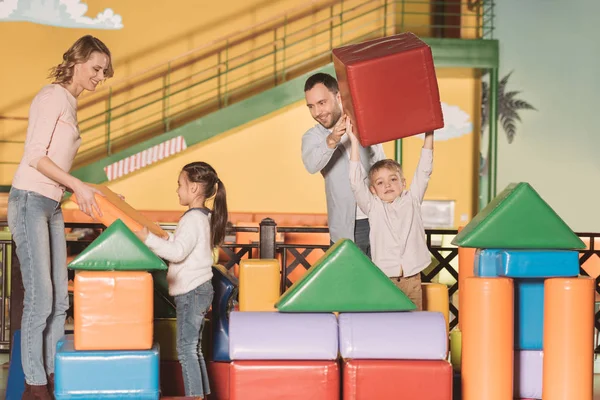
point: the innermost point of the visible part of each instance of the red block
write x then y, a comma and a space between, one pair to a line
285, 380
389, 88
218, 375
397, 379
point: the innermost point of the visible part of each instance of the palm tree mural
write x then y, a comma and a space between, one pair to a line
508, 107
508, 114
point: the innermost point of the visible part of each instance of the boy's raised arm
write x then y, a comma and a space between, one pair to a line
418, 186
358, 182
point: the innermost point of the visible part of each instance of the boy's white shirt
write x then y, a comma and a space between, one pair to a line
397, 237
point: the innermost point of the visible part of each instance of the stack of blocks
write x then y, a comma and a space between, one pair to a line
111, 353
527, 317
343, 325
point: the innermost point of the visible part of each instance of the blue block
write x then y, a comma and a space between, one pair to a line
486, 262
226, 290
99, 375
16, 379
538, 263
529, 314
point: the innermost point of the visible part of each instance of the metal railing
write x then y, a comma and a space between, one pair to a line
242, 64
269, 247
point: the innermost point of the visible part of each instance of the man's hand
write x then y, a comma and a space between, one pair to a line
339, 130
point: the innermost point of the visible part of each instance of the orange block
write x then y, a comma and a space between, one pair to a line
568, 369
113, 310
487, 339
113, 208
435, 298
466, 263
259, 284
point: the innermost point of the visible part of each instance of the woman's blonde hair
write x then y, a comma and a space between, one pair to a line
79, 53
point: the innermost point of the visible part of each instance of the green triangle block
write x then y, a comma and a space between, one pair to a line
117, 249
518, 218
344, 280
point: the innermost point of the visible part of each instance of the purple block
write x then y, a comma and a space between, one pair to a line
528, 374
282, 336
414, 335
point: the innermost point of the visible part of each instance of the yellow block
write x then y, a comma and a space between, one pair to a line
259, 284
455, 349
435, 298
165, 333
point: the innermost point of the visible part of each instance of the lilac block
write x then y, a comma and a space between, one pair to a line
528, 374
415, 335
281, 336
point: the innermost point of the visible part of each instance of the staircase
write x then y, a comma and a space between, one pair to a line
241, 65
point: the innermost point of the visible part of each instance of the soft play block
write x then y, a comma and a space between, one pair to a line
218, 376
538, 264
105, 374
456, 349
165, 334
418, 335
113, 310
529, 314
528, 374
117, 248
389, 88
114, 208
279, 336
289, 380
397, 379
226, 290
487, 363
260, 281
518, 218
486, 263
435, 298
344, 279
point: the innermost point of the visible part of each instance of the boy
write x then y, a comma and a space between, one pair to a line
397, 237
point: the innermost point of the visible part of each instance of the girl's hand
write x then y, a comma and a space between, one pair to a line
143, 234
86, 198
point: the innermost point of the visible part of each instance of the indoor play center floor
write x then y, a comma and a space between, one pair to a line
4, 376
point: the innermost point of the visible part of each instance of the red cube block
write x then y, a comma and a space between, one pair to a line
389, 88
397, 379
289, 380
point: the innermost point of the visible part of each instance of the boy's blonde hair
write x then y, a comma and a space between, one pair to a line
388, 163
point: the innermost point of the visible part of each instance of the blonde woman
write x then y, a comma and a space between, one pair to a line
34, 213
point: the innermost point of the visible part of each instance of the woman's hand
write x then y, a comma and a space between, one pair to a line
86, 198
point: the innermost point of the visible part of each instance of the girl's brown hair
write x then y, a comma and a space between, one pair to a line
79, 53
206, 175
